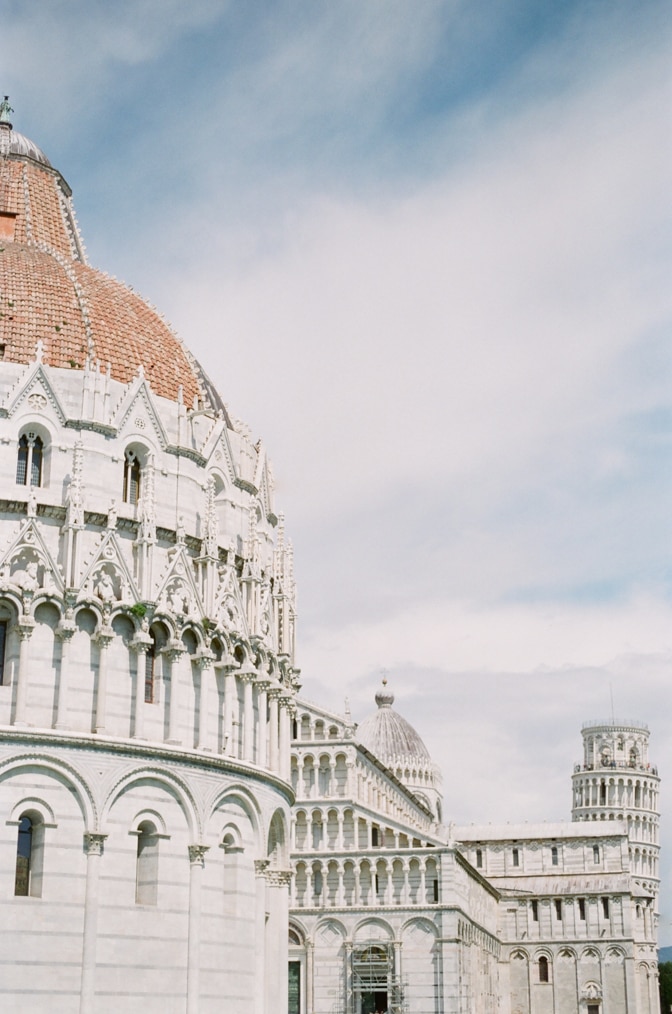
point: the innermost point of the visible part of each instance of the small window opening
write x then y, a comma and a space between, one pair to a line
596, 853
605, 908
515, 857
3, 645
131, 492
150, 663
479, 858
147, 864
603, 793
295, 729
593, 1008
554, 855
375, 837
535, 910
29, 855
582, 909
435, 892
558, 908
543, 969
29, 460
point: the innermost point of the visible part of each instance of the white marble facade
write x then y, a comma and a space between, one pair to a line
393, 911
178, 832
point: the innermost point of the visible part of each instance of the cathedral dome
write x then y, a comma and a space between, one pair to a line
389, 737
49, 293
20, 145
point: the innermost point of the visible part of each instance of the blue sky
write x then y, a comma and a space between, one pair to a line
424, 251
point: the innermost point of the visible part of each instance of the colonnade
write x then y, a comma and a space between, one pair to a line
252, 725
617, 792
339, 775
366, 881
338, 830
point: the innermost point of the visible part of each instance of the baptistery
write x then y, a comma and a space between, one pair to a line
147, 671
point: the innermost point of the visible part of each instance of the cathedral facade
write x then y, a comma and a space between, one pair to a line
180, 833
393, 911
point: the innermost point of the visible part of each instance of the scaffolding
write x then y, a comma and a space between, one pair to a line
374, 987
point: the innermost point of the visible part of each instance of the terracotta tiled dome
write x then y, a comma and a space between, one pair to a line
48, 292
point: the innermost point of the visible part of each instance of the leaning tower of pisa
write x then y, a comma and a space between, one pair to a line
616, 781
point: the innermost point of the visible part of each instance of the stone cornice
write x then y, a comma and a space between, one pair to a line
145, 750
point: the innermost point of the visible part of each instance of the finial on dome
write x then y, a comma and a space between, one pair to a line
5, 111
384, 698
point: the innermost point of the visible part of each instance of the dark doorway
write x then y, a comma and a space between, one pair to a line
374, 1003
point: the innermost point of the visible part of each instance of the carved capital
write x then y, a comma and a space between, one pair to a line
104, 637
260, 867
278, 878
141, 643
24, 627
197, 854
174, 651
204, 659
93, 843
65, 630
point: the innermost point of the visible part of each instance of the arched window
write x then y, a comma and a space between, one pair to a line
147, 864
29, 856
3, 645
29, 460
150, 663
479, 858
131, 492
543, 969
554, 855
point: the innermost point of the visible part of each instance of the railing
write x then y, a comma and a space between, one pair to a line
617, 765
614, 723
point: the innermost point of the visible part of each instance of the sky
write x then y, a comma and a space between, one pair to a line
424, 251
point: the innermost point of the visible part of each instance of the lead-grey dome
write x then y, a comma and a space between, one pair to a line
389, 737
21, 145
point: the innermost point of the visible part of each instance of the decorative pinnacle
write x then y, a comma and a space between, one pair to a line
5, 111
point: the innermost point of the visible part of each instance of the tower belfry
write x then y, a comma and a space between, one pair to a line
617, 781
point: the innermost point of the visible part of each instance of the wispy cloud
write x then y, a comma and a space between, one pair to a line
424, 250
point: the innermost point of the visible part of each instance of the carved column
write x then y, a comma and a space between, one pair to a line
310, 989
228, 746
263, 686
277, 894
273, 757
350, 779
65, 632
93, 846
339, 840
203, 661
173, 652
104, 638
247, 679
24, 628
260, 867
140, 645
286, 704
196, 864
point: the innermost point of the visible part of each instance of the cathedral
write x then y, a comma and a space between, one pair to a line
181, 833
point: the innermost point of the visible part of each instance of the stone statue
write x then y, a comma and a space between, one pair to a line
104, 588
